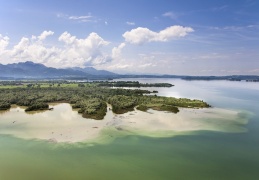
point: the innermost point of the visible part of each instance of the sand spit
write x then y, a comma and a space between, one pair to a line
65, 125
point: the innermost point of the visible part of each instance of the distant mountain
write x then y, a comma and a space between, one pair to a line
35, 70
93, 71
31, 70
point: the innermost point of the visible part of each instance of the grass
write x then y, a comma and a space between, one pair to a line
11, 86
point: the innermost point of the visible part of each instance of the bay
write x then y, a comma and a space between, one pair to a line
202, 154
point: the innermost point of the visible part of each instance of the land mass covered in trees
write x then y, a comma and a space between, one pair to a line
91, 98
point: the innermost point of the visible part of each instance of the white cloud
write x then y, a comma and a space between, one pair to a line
139, 35
80, 52
80, 17
142, 35
4, 41
144, 63
45, 34
67, 38
130, 23
21, 48
83, 18
116, 51
74, 52
87, 18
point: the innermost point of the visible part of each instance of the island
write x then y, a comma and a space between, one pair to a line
90, 98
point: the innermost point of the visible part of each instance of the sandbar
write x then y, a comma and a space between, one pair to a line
64, 125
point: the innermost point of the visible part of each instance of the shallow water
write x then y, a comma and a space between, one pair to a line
202, 154
65, 125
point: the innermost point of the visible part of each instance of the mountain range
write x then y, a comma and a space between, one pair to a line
28, 69
31, 70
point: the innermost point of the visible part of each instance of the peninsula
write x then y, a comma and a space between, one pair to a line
91, 98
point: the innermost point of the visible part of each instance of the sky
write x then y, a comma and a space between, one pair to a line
187, 37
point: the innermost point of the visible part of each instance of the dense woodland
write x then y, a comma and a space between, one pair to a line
89, 98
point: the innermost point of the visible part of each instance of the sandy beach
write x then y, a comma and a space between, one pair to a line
65, 125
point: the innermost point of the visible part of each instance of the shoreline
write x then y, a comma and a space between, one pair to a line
63, 125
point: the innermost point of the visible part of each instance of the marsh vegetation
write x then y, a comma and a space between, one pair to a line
89, 98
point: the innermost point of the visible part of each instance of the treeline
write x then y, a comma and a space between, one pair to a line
90, 100
131, 84
91, 108
121, 103
4, 105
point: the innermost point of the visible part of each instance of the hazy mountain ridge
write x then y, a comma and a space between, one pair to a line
93, 71
30, 69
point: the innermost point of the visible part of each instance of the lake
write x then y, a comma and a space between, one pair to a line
53, 144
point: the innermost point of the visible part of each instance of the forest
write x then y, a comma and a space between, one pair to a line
90, 98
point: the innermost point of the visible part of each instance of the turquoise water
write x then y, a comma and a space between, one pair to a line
202, 155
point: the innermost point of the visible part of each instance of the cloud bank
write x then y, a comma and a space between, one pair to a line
72, 52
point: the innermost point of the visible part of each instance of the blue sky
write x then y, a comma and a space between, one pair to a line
139, 36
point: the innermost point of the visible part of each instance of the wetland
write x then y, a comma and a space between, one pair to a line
219, 142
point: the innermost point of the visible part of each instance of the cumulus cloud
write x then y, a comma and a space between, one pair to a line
93, 50
83, 51
67, 38
44, 35
142, 35
73, 52
116, 51
21, 49
4, 41
28, 49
